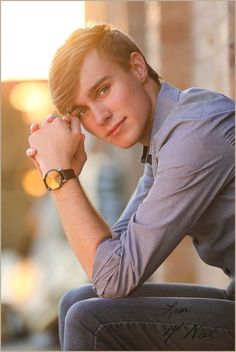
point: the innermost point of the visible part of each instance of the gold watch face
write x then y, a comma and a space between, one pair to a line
53, 179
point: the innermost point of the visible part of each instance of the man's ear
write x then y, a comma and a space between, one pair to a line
139, 66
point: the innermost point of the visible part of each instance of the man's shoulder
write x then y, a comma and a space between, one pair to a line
199, 116
195, 108
200, 103
175, 106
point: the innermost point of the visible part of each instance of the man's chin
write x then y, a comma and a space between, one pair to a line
125, 144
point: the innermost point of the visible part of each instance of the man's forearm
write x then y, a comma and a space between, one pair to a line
83, 225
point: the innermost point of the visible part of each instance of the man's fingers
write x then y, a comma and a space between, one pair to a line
36, 164
67, 118
34, 127
80, 148
82, 137
51, 118
75, 124
30, 152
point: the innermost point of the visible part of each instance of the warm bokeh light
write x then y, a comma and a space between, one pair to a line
31, 32
32, 98
22, 279
29, 96
33, 184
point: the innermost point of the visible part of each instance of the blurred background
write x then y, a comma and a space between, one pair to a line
188, 43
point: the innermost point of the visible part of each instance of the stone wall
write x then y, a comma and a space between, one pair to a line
212, 35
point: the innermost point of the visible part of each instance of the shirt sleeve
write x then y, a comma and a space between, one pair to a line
194, 164
142, 189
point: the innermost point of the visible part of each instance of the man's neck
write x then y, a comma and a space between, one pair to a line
152, 89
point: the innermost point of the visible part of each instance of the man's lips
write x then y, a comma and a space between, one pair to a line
115, 127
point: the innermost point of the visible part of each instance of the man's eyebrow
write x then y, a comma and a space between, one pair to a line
91, 91
97, 84
74, 107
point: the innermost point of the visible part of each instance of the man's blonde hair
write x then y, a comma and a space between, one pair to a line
65, 67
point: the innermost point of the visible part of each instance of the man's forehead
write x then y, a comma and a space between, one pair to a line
94, 64
94, 56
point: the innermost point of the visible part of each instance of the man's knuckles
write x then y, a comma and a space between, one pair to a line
34, 127
31, 152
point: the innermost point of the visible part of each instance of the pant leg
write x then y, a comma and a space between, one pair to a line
69, 299
168, 318
146, 290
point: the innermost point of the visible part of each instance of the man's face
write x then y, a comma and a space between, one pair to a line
112, 103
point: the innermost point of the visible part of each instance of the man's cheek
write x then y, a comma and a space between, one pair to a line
88, 129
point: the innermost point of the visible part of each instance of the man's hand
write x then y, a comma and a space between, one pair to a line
57, 143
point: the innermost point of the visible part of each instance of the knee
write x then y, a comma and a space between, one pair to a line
75, 295
81, 324
83, 313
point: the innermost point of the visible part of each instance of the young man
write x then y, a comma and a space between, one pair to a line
100, 79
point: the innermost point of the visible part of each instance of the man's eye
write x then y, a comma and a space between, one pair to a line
102, 91
81, 112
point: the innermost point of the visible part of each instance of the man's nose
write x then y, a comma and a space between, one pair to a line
101, 115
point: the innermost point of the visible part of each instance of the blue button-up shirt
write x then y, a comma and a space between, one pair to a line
187, 189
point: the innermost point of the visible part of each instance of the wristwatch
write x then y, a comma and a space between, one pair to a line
55, 178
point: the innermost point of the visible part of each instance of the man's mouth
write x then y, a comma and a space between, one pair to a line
115, 128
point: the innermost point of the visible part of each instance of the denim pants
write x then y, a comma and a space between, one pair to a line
156, 317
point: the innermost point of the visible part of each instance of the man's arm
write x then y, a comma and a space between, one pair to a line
56, 143
84, 227
140, 193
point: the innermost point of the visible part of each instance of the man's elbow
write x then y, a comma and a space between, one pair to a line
115, 288
116, 276
112, 293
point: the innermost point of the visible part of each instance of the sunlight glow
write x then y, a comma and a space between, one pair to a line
29, 96
32, 31
33, 184
33, 99
22, 280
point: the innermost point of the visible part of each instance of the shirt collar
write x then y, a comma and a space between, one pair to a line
146, 157
166, 101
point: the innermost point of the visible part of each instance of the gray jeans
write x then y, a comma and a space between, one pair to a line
156, 317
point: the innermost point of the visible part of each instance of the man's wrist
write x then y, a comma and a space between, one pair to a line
55, 166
